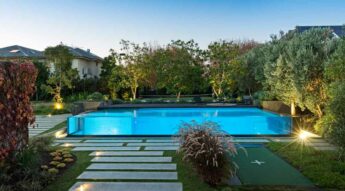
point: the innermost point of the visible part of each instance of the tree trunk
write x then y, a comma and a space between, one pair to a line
178, 96
319, 111
134, 93
293, 108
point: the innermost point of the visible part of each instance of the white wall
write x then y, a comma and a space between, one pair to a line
90, 68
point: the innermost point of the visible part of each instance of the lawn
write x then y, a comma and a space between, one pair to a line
322, 167
45, 108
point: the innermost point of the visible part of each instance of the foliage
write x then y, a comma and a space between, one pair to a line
321, 167
227, 72
332, 124
46, 108
181, 70
17, 84
42, 77
24, 171
208, 150
61, 60
96, 96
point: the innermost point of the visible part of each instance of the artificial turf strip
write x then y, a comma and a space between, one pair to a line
274, 171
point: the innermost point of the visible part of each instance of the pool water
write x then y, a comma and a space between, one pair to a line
166, 121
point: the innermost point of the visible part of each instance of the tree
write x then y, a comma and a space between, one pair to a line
42, 77
60, 58
224, 65
307, 54
332, 124
181, 68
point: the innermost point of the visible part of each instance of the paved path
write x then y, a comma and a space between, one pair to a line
126, 160
45, 122
127, 164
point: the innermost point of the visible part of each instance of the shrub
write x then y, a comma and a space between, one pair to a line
96, 96
17, 85
42, 143
209, 150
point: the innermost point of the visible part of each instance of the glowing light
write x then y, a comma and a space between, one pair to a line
83, 187
60, 134
58, 106
303, 135
49, 115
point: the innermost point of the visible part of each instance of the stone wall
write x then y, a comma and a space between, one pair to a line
276, 106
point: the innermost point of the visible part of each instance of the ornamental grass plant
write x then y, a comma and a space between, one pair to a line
209, 150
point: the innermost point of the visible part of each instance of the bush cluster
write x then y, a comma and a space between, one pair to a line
23, 172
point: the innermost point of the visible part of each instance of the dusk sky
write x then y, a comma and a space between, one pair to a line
100, 24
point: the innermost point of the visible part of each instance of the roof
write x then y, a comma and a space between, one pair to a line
339, 30
16, 51
85, 54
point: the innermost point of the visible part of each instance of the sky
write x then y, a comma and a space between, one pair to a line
99, 25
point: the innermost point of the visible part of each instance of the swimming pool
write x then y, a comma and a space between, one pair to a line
166, 121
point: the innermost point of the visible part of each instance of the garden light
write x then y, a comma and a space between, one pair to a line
58, 106
60, 134
49, 115
305, 135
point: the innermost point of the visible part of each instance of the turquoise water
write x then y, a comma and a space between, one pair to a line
166, 121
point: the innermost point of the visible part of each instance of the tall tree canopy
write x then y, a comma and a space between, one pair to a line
62, 74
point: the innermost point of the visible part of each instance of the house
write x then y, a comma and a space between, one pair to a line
16, 52
88, 64
338, 30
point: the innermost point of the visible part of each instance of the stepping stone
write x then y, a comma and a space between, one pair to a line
324, 144
113, 141
161, 141
251, 141
283, 140
55, 144
127, 153
106, 149
130, 175
92, 144
173, 148
153, 144
131, 166
325, 148
67, 141
131, 159
127, 186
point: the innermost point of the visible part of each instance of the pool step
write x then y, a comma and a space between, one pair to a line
165, 148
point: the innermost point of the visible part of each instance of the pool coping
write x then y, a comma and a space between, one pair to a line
175, 105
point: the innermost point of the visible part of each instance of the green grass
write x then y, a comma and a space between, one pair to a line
192, 181
68, 178
322, 167
57, 127
45, 108
186, 175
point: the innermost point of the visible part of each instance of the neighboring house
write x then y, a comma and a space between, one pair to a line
16, 52
88, 64
338, 30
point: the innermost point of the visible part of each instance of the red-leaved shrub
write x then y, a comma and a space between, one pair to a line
17, 84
